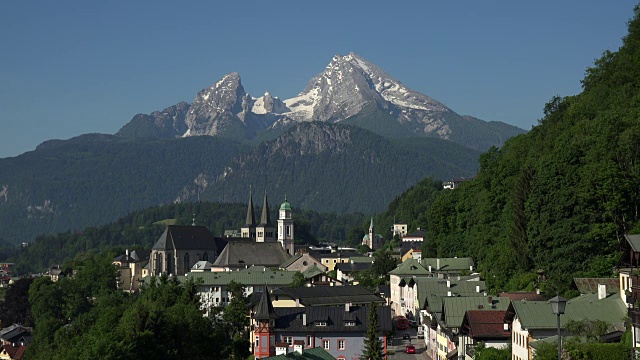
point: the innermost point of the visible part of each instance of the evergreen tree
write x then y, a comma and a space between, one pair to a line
372, 345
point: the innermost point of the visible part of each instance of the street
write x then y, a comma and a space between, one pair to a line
399, 346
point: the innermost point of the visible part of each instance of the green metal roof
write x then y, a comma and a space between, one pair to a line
312, 271
448, 264
285, 205
309, 354
246, 277
431, 291
361, 259
409, 267
455, 307
290, 261
538, 315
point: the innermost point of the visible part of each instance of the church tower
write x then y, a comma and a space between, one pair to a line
265, 231
265, 335
249, 229
285, 227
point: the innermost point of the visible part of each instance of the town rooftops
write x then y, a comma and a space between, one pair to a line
455, 307
415, 234
590, 285
186, 238
538, 315
330, 295
353, 267
317, 353
485, 324
321, 319
522, 295
290, 261
245, 277
243, 253
410, 267
448, 264
431, 291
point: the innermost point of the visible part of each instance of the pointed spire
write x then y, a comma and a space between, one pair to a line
266, 217
251, 218
371, 226
264, 310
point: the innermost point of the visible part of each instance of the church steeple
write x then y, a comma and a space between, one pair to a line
251, 218
265, 219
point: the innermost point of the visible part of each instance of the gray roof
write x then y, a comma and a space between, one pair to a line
331, 295
410, 267
590, 285
290, 319
264, 309
634, 241
431, 291
243, 253
290, 261
448, 264
186, 238
317, 353
353, 267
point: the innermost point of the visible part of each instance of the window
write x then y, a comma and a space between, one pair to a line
326, 261
321, 323
341, 343
349, 323
289, 340
187, 265
325, 344
309, 340
334, 261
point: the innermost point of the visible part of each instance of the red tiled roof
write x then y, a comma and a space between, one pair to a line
517, 296
486, 324
15, 352
20, 352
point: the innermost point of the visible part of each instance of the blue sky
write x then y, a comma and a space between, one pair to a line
69, 67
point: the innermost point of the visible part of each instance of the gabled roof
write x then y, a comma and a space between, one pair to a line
13, 333
415, 234
312, 271
330, 295
308, 354
448, 264
338, 254
186, 238
409, 245
15, 352
243, 253
410, 267
633, 241
485, 324
361, 259
590, 285
538, 315
201, 265
455, 307
291, 319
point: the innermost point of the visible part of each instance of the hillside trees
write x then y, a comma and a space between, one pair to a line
559, 199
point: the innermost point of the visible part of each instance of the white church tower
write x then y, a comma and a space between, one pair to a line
285, 227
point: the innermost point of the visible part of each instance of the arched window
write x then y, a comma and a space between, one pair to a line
187, 264
158, 263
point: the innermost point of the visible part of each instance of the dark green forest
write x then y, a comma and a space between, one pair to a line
557, 201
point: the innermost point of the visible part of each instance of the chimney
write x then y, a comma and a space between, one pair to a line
477, 288
297, 302
298, 345
602, 291
282, 348
505, 327
437, 263
347, 307
448, 283
127, 252
304, 319
471, 268
448, 293
429, 268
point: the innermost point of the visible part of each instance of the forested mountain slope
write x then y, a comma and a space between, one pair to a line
559, 199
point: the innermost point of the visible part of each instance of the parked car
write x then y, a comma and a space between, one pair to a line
406, 336
420, 334
410, 349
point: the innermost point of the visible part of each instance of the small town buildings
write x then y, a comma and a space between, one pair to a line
372, 240
399, 229
486, 326
240, 254
315, 276
338, 257
345, 272
355, 295
301, 262
591, 285
448, 267
533, 320
132, 268
299, 352
339, 330
55, 273
180, 247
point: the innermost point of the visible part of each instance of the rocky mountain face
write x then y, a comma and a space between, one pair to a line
350, 89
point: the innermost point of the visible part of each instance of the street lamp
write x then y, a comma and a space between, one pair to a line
558, 304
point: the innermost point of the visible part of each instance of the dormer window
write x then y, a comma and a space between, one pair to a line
349, 323
321, 323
